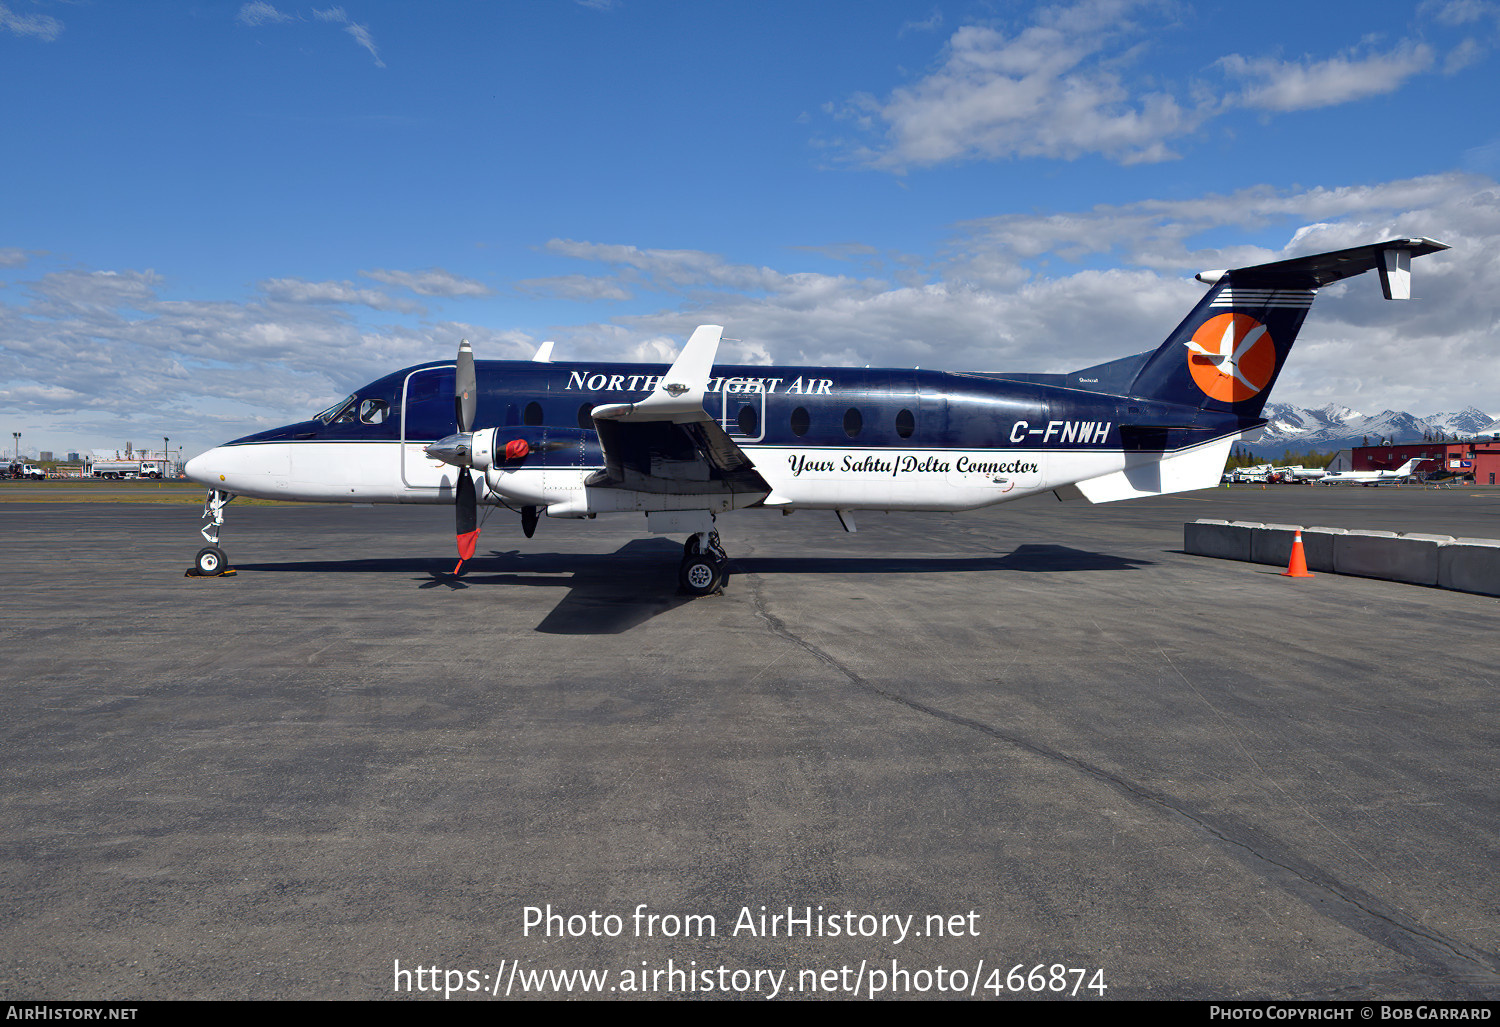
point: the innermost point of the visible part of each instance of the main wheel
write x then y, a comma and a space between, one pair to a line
700, 575
211, 561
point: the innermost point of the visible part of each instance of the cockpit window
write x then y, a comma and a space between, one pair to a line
343, 410
373, 411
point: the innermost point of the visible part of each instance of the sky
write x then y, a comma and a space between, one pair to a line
221, 217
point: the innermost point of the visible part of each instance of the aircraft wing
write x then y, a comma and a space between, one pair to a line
667, 442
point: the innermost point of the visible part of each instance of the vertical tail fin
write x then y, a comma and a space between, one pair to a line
1226, 355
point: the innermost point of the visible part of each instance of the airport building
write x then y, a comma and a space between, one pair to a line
1477, 460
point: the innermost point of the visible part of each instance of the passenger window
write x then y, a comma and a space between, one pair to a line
800, 422
749, 420
533, 414
905, 424
374, 411
852, 422
586, 416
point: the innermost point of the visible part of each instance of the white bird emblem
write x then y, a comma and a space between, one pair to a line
1226, 360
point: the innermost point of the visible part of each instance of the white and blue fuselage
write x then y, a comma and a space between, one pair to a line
819, 438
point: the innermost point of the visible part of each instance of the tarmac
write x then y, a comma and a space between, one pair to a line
1083, 763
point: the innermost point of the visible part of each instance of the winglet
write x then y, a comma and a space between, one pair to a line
680, 393
543, 353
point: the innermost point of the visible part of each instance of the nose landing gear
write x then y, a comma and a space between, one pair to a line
211, 561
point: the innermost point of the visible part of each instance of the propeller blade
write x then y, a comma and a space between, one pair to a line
465, 387
466, 518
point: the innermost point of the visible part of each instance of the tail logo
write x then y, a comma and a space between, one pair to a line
1231, 357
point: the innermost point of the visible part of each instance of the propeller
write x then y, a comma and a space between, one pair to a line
458, 451
465, 397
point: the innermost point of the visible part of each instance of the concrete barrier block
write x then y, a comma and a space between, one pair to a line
1384, 554
1220, 539
1272, 543
1317, 546
1470, 565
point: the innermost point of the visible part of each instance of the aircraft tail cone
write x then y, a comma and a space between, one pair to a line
1297, 566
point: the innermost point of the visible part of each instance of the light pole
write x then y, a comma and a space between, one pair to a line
164, 457
17, 436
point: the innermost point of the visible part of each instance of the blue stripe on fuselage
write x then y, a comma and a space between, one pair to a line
948, 411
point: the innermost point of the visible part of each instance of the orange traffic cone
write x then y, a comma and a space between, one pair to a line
1297, 566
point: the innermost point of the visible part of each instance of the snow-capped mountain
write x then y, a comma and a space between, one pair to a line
1339, 427
1465, 423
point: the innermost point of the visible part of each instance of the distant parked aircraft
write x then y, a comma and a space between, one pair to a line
1401, 473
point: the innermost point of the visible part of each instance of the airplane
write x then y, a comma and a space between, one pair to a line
684, 444
1401, 473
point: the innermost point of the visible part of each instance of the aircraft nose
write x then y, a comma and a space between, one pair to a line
199, 468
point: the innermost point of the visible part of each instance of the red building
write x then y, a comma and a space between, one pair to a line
1478, 461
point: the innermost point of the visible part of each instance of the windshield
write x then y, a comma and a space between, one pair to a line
334, 412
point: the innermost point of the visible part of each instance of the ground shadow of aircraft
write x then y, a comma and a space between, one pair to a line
608, 594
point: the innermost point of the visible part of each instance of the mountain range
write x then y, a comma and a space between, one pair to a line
1335, 427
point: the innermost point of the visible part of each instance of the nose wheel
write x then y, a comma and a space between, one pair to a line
210, 563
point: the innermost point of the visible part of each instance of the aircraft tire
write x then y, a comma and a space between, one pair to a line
210, 561
701, 575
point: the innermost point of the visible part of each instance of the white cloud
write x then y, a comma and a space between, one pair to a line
1293, 86
42, 26
669, 269
1460, 12
1047, 91
576, 287
260, 13
432, 282
1077, 81
931, 23
296, 290
359, 33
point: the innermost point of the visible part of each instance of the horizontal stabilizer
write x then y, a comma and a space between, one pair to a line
1391, 258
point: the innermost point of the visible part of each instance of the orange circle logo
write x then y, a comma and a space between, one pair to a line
1232, 357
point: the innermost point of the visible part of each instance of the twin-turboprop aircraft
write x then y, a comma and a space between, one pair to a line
687, 443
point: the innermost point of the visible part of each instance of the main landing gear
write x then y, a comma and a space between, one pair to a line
703, 571
211, 561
